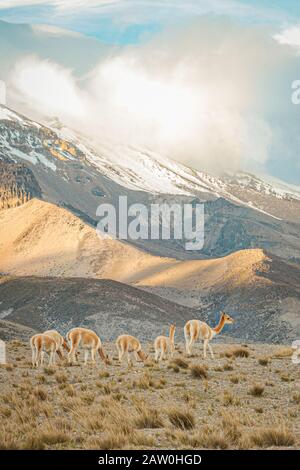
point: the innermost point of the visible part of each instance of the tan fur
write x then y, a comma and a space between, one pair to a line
127, 344
39, 344
195, 329
60, 341
89, 341
162, 344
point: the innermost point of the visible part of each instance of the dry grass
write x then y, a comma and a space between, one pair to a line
269, 437
264, 361
199, 372
282, 353
181, 418
182, 363
148, 418
257, 390
119, 408
240, 352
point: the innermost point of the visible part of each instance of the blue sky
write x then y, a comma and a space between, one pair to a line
133, 21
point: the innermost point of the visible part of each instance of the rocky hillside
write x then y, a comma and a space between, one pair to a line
14, 331
109, 307
261, 292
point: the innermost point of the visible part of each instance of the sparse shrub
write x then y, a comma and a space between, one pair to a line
148, 418
183, 364
40, 393
45, 438
61, 377
257, 390
41, 378
199, 372
234, 379
69, 390
285, 377
5, 412
110, 441
49, 371
263, 361
283, 353
181, 418
228, 366
174, 367
296, 397
104, 374
240, 352
229, 399
273, 436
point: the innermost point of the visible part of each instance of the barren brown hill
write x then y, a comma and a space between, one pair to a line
42, 239
232, 271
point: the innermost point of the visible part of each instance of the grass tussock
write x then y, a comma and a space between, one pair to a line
181, 363
240, 352
264, 361
199, 372
148, 418
181, 418
273, 436
282, 353
257, 390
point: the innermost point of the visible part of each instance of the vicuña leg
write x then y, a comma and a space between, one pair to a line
86, 356
205, 343
34, 354
121, 354
210, 350
93, 352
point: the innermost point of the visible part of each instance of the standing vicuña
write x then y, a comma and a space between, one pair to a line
162, 344
129, 344
89, 341
41, 343
60, 342
195, 329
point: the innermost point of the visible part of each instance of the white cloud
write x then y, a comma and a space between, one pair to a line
58, 4
207, 94
48, 87
289, 36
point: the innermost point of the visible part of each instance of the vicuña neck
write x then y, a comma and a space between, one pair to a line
171, 334
220, 325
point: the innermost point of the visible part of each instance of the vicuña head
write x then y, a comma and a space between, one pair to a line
227, 318
142, 355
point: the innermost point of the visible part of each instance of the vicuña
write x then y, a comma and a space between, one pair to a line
127, 344
195, 329
89, 341
41, 343
162, 344
60, 342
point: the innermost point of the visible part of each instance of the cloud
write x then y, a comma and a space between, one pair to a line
47, 86
58, 4
212, 94
289, 36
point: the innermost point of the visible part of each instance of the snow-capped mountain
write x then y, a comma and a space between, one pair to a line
242, 210
135, 169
